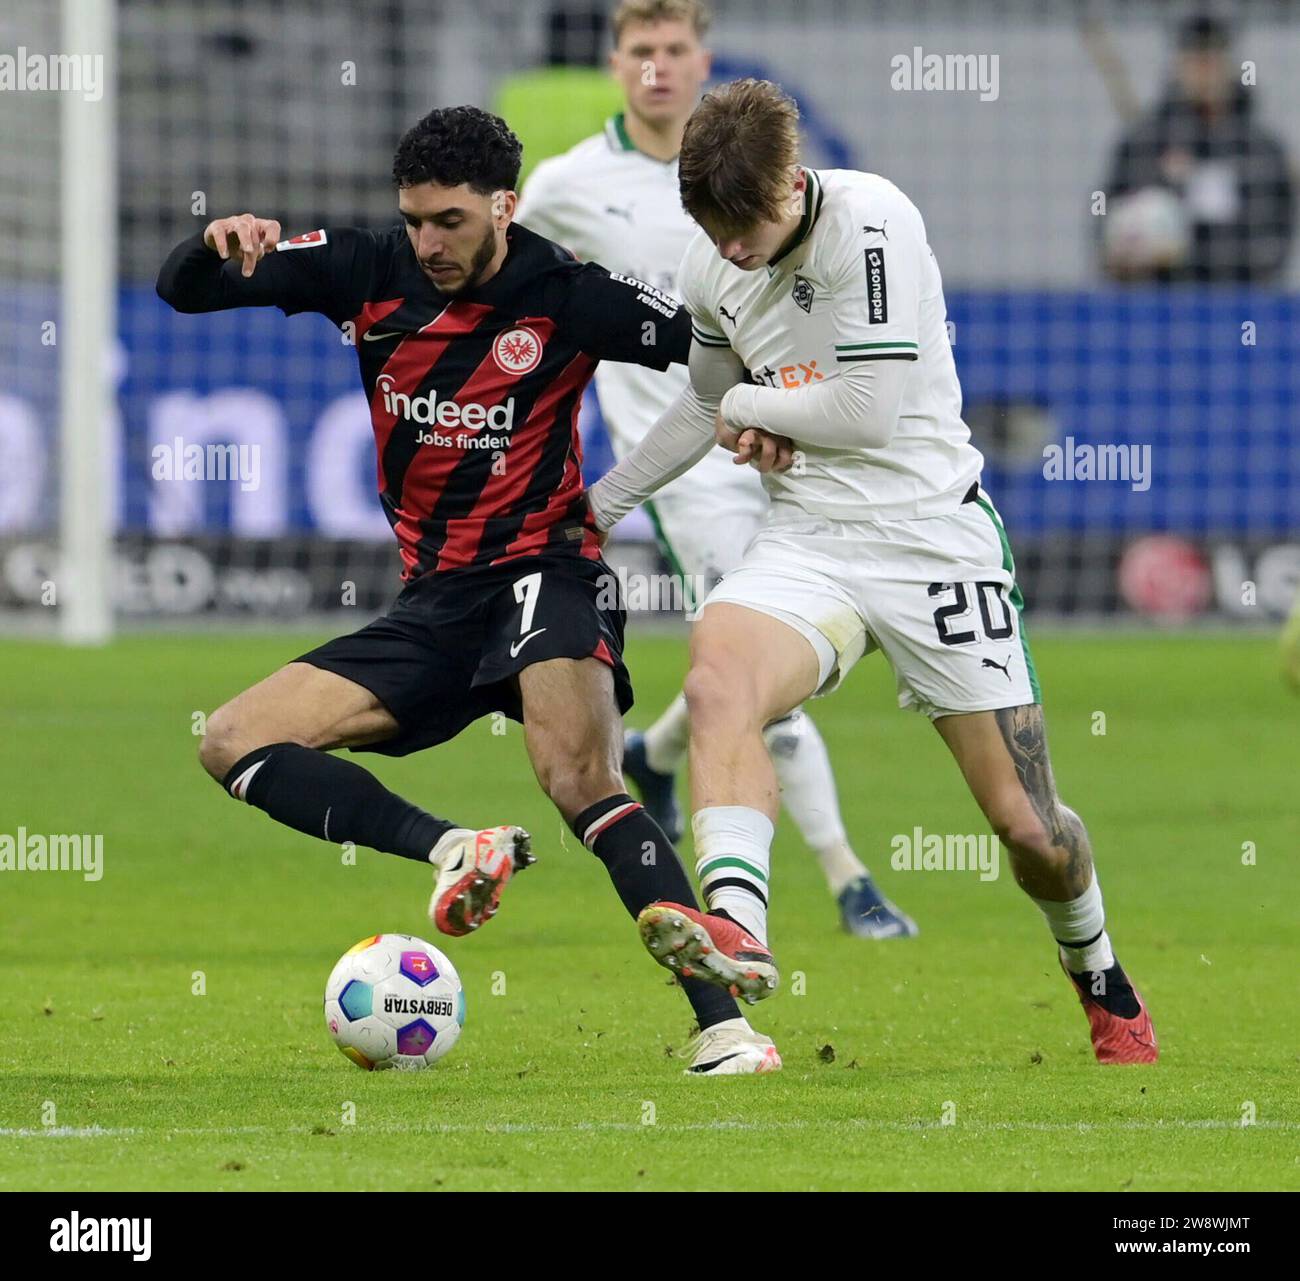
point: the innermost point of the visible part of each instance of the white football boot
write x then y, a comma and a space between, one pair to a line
732, 1048
470, 871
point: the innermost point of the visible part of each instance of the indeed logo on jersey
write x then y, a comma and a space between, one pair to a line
430, 410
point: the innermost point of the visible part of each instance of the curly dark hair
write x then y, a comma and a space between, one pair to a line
454, 145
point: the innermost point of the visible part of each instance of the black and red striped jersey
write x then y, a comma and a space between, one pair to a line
474, 398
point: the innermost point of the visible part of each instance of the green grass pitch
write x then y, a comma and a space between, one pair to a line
957, 1060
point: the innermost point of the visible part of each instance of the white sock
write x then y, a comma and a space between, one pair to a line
840, 865
733, 853
1079, 928
666, 739
808, 793
738, 1024
446, 842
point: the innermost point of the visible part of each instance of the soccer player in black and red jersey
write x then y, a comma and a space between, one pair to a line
475, 339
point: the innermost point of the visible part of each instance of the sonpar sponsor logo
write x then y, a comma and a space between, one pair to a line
61, 852
919, 851
75, 1235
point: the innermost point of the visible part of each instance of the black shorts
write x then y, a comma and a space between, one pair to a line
448, 650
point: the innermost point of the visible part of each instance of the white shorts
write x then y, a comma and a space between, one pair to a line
705, 520
937, 596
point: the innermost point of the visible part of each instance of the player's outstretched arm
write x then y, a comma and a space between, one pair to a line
194, 278
240, 262
681, 437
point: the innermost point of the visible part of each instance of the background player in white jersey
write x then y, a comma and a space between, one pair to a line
878, 536
614, 199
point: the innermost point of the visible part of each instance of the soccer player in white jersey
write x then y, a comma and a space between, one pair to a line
878, 537
614, 199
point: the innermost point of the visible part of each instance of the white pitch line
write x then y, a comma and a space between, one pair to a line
585, 1127
64, 1132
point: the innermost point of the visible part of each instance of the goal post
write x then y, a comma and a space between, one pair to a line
88, 320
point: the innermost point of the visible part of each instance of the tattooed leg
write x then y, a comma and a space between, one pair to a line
1003, 755
1004, 759
1026, 741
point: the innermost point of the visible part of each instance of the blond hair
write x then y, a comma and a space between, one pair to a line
637, 12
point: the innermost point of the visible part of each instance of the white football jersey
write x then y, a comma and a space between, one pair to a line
858, 283
612, 204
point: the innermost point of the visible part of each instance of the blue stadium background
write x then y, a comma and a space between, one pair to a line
1164, 367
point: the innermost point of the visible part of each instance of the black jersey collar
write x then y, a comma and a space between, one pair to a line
812, 206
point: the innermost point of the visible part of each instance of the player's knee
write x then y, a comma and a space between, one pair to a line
715, 697
222, 743
1020, 829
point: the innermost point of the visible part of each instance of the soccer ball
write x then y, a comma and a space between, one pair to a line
1147, 231
394, 1001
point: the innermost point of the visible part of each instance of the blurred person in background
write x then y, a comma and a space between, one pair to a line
1199, 191
614, 199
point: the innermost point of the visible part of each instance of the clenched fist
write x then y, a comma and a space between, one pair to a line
754, 446
243, 235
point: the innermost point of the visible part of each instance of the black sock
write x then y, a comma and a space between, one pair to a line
1111, 990
326, 796
645, 869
